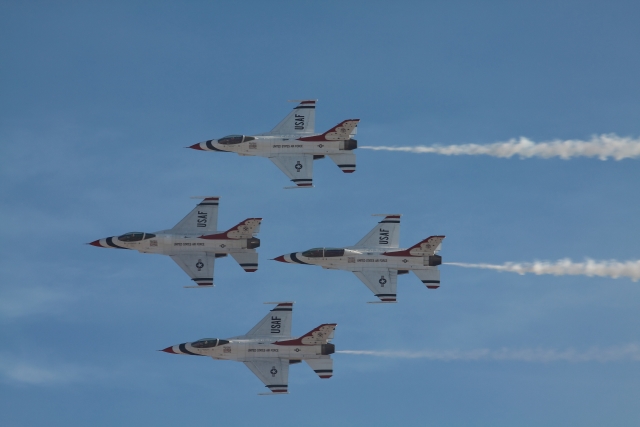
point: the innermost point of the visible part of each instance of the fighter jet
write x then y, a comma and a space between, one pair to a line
293, 146
377, 261
268, 348
194, 244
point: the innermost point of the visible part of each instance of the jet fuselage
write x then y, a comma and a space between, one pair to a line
356, 260
269, 146
249, 349
165, 243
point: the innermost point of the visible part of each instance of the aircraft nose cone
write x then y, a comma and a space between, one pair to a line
196, 147
280, 258
96, 243
169, 350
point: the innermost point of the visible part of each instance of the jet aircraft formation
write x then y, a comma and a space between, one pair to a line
195, 243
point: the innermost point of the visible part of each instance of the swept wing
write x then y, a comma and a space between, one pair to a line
381, 281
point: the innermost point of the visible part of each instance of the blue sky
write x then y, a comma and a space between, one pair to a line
100, 99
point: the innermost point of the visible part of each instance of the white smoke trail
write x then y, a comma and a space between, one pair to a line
566, 267
600, 146
629, 352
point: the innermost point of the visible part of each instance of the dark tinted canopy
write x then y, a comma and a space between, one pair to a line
235, 139
330, 252
323, 252
208, 343
135, 236
313, 253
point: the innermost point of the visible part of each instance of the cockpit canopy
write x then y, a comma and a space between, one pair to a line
135, 236
234, 139
208, 343
323, 253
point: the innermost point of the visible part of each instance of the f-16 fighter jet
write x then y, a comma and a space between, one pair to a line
268, 349
293, 146
376, 259
194, 244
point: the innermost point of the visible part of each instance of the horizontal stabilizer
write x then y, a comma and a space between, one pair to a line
247, 260
345, 161
430, 277
322, 367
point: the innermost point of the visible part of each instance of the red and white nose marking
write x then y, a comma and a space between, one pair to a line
180, 349
107, 243
205, 146
293, 258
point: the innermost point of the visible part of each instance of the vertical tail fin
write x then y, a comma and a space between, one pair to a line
428, 246
244, 230
343, 131
317, 336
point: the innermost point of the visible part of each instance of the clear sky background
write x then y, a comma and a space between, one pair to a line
99, 99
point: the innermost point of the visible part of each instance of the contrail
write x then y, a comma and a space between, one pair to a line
566, 267
629, 352
601, 146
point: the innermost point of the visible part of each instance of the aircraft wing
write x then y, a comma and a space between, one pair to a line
199, 266
382, 282
273, 372
203, 218
300, 121
386, 234
276, 324
298, 167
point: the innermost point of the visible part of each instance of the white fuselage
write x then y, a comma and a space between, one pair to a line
269, 146
176, 244
356, 260
243, 349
